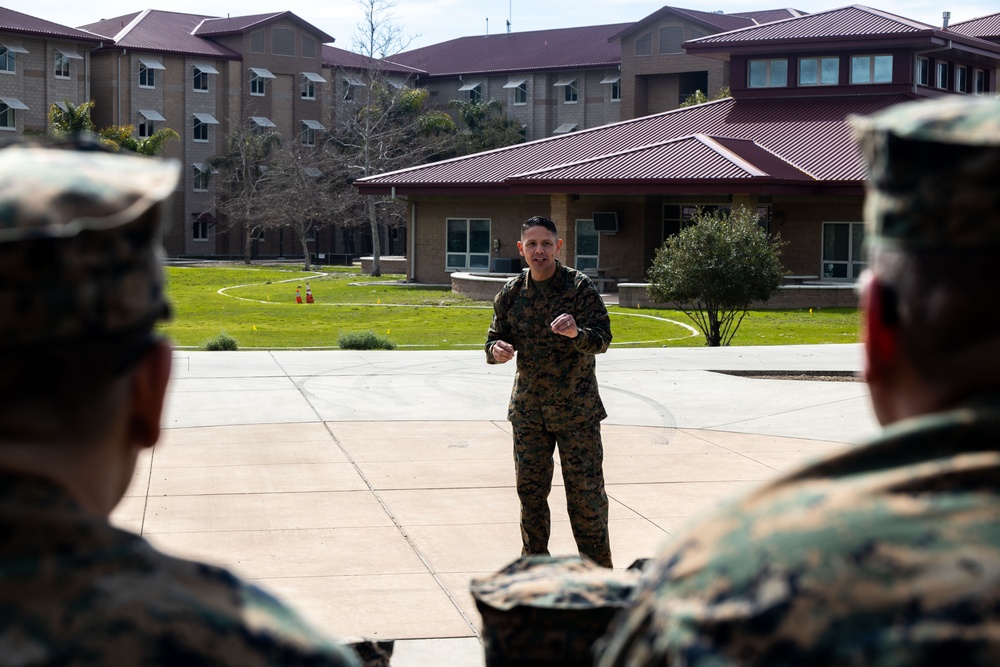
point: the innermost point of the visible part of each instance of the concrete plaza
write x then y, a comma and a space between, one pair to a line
368, 488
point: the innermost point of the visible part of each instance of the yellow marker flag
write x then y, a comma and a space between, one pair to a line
810, 311
387, 331
254, 327
379, 301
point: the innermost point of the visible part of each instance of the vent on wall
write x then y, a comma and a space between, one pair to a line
606, 222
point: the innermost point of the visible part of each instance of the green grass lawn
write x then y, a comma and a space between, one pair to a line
256, 305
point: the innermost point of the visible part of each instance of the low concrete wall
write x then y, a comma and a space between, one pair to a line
839, 295
388, 264
481, 286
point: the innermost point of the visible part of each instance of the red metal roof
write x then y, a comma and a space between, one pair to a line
984, 27
715, 22
334, 57
160, 31
16, 22
240, 24
516, 51
850, 21
783, 138
769, 15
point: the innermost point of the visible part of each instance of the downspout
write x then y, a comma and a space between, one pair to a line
412, 236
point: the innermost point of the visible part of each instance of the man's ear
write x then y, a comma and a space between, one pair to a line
149, 391
880, 329
520, 248
559, 245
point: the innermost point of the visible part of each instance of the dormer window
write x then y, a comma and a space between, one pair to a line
768, 73
871, 69
819, 71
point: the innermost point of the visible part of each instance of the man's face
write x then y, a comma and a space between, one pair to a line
539, 247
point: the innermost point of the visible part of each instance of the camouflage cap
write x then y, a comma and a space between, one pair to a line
549, 610
80, 243
934, 169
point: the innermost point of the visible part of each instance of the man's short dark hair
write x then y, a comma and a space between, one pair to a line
539, 221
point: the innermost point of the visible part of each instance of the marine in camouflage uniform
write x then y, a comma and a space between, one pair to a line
888, 554
555, 319
82, 382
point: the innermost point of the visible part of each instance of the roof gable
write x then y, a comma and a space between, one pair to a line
715, 22
794, 139
218, 27
16, 22
160, 31
518, 51
852, 21
984, 27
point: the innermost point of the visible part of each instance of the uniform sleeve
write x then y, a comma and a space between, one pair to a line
592, 321
500, 326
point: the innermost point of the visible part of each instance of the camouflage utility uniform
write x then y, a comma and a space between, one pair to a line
886, 555
556, 400
76, 591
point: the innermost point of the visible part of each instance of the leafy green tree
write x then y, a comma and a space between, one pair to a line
242, 195
715, 268
74, 120
487, 125
698, 97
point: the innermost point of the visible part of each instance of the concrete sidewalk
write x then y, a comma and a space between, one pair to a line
367, 488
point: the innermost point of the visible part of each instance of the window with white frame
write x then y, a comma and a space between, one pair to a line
308, 87
200, 74
979, 82
307, 137
147, 72
616, 91
202, 121
871, 69
823, 71
923, 71
570, 93
962, 79
588, 245
8, 57
199, 228
843, 250
771, 73
8, 117
644, 45
941, 80
521, 93
476, 94
258, 81
349, 85
468, 244
147, 128
60, 63
201, 175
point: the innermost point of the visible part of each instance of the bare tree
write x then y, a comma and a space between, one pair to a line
242, 195
385, 126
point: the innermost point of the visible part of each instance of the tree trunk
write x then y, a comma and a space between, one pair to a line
247, 245
305, 249
376, 250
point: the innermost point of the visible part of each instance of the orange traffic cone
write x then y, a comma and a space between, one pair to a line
298, 295
309, 294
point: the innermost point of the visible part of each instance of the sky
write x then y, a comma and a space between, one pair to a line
425, 22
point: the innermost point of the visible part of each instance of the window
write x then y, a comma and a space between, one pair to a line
570, 94
588, 245
979, 82
819, 71
8, 119
282, 42
768, 73
962, 79
147, 72
201, 174
871, 69
261, 124
258, 79
468, 244
520, 88
676, 217
615, 81
923, 72
475, 90
8, 57
843, 256
671, 38
644, 45
349, 86
147, 124
202, 121
308, 47
309, 129
61, 65
199, 229
199, 81
941, 80
309, 81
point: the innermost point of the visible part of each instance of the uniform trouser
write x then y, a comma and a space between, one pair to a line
581, 455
